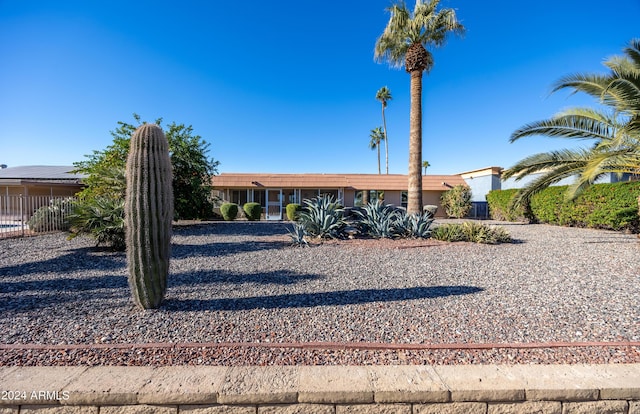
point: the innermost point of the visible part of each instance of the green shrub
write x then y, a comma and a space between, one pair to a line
457, 201
253, 211
53, 217
293, 211
102, 218
603, 206
229, 211
451, 232
323, 217
501, 206
470, 231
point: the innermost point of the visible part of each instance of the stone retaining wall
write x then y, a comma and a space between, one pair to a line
486, 389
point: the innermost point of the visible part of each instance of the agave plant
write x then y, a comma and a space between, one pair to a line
323, 217
379, 220
416, 225
298, 235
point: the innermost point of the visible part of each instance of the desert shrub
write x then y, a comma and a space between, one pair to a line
101, 218
54, 217
293, 211
253, 211
451, 232
457, 201
229, 211
323, 217
471, 232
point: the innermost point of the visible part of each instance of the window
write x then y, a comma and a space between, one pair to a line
308, 194
239, 197
258, 197
405, 199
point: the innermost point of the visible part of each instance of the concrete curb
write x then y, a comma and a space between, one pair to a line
323, 389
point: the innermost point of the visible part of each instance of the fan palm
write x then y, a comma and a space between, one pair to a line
405, 42
615, 129
377, 136
384, 96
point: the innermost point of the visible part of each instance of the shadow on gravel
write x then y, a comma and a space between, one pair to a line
51, 301
182, 251
238, 228
278, 277
306, 300
78, 259
66, 285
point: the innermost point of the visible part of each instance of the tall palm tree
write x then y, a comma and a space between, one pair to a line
405, 42
615, 130
425, 165
384, 96
377, 136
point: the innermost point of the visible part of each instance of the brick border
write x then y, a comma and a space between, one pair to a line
410, 389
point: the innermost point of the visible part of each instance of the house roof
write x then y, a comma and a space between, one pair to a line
481, 172
49, 173
329, 181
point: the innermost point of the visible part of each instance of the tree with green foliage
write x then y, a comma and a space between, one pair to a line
192, 169
100, 209
384, 96
615, 130
405, 42
377, 136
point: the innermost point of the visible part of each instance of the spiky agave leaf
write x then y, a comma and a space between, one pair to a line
323, 217
416, 225
379, 220
298, 235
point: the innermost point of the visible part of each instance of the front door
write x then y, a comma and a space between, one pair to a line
274, 204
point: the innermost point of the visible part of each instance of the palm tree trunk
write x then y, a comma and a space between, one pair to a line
379, 159
414, 193
386, 141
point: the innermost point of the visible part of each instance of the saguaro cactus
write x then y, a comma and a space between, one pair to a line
148, 215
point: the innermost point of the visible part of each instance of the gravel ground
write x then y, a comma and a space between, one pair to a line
242, 283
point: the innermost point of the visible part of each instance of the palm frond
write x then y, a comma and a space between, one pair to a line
547, 179
580, 123
591, 84
633, 51
547, 161
425, 25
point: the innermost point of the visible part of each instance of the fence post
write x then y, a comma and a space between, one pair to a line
21, 214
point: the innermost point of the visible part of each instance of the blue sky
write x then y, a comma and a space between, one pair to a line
289, 86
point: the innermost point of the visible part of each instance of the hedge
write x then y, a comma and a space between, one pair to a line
500, 206
602, 206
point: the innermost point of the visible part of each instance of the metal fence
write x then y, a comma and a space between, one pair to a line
479, 210
27, 215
